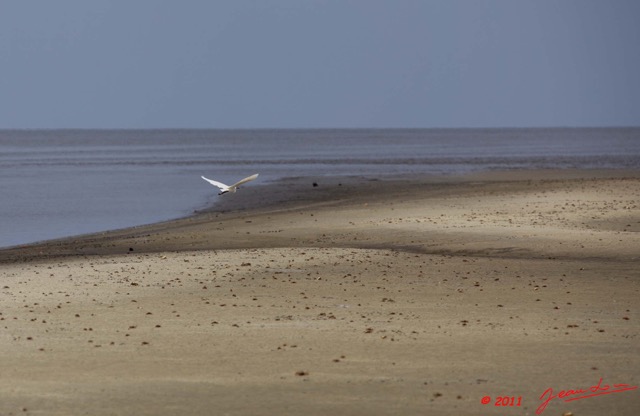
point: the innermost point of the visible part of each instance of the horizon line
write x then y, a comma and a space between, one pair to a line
318, 128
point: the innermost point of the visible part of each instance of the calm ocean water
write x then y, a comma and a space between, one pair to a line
66, 182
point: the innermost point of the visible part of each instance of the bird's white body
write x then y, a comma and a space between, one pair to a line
229, 188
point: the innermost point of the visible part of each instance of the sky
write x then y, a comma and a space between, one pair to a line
319, 64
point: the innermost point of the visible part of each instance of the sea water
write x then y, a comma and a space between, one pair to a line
58, 183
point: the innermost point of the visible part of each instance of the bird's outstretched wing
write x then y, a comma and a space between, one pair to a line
215, 183
247, 179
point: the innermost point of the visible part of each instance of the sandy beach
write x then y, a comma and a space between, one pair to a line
355, 296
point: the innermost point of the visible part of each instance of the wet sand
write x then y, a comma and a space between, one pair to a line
352, 297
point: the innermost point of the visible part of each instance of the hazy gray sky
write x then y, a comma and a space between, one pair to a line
332, 63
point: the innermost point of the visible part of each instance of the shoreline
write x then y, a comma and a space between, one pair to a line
277, 197
358, 297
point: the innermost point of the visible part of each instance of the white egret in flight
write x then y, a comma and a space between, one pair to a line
229, 188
